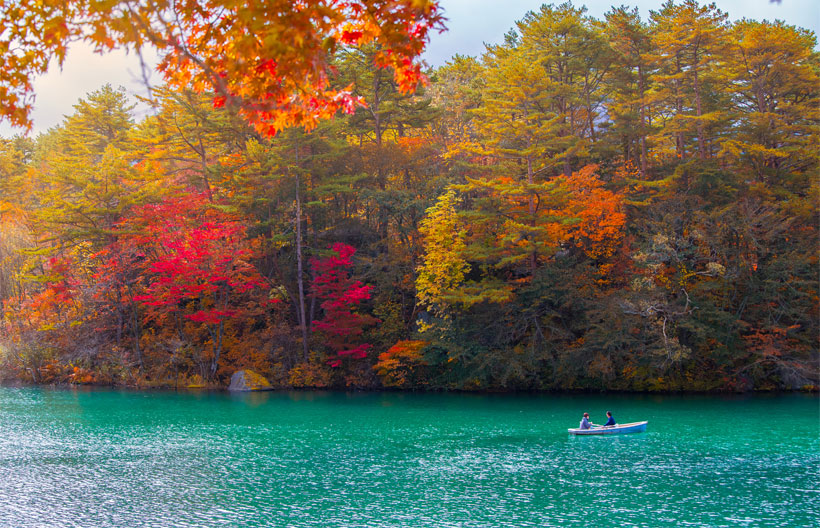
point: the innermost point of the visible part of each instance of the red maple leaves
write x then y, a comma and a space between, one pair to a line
341, 325
190, 257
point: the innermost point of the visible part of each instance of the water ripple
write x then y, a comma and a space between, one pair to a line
124, 459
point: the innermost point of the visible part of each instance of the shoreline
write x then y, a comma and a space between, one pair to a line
170, 388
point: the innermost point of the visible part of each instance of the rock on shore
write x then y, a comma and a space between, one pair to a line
248, 380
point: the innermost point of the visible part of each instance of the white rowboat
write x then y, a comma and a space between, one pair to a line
634, 427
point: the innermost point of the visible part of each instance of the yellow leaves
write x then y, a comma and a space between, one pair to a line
313, 375
443, 266
735, 149
487, 290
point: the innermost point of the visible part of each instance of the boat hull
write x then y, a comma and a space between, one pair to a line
635, 427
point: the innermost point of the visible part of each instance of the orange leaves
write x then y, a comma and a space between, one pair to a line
81, 376
523, 222
599, 213
54, 309
52, 371
268, 60
31, 35
627, 172
772, 343
395, 367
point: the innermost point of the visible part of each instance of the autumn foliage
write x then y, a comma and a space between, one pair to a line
191, 255
341, 325
276, 73
598, 204
398, 366
192, 260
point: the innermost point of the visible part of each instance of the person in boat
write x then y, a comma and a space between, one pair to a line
585, 423
610, 420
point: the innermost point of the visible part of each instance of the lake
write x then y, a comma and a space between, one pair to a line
105, 458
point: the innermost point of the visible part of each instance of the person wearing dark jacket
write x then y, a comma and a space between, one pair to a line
610, 421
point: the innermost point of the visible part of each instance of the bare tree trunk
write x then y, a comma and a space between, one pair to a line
531, 205
119, 321
312, 306
701, 133
136, 332
643, 122
203, 160
565, 132
220, 330
589, 108
299, 264
681, 147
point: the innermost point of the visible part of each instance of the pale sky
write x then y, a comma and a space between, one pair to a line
471, 23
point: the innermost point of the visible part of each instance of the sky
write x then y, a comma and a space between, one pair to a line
471, 24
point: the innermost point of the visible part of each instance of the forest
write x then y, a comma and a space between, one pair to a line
592, 204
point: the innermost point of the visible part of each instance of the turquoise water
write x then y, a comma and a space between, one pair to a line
139, 459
